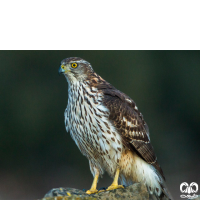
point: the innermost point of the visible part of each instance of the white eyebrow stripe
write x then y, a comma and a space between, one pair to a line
79, 61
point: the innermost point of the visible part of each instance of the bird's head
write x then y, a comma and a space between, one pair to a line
75, 69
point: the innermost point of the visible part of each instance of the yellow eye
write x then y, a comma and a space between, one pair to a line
74, 65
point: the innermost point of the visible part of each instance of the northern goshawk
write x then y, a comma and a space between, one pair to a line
109, 130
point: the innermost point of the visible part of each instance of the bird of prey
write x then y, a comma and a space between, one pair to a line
109, 130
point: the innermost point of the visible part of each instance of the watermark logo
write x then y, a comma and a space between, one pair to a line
189, 190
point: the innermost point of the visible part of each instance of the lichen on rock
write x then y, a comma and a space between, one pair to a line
136, 191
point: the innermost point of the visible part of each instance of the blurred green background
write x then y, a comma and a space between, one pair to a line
37, 154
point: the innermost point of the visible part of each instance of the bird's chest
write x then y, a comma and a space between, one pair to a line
87, 120
84, 113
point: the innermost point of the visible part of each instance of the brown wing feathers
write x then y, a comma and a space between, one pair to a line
130, 124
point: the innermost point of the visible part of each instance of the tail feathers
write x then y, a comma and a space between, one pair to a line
165, 195
166, 192
152, 178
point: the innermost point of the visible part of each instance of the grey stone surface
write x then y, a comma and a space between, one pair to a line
136, 191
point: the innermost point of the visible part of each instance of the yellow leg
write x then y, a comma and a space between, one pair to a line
93, 188
114, 184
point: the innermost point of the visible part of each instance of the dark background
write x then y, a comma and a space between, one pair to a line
37, 154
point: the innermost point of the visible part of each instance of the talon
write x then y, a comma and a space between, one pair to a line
115, 186
93, 188
91, 191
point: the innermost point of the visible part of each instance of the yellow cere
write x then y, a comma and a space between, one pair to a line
62, 66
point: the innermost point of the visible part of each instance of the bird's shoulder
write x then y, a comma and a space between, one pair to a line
123, 109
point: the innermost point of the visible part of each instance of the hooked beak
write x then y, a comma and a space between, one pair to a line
61, 69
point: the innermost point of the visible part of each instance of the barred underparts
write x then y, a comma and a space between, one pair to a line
109, 130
